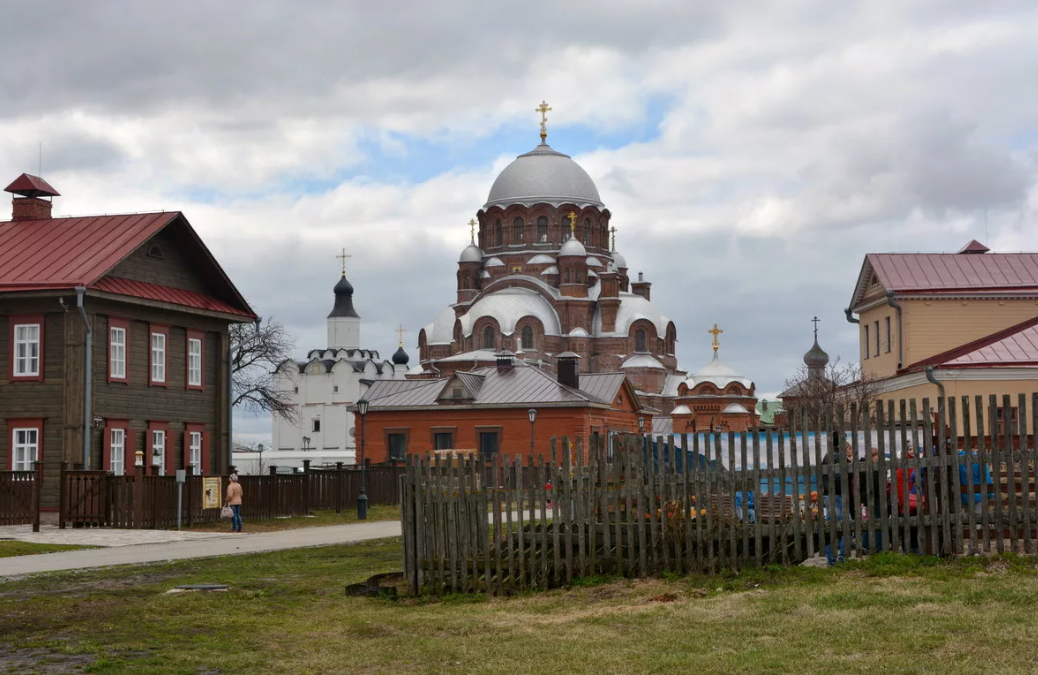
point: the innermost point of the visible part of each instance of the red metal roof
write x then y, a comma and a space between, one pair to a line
974, 247
1013, 346
67, 252
937, 272
31, 186
176, 296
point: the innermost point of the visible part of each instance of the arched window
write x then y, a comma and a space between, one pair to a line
499, 234
587, 232
542, 230
488, 337
639, 340
517, 234
527, 337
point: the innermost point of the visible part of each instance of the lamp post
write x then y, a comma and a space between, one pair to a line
362, 498
532, 413
641, 424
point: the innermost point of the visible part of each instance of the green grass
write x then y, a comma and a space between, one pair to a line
316, 519
9, 549
286, 613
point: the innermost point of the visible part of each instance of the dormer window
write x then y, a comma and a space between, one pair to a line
155, 251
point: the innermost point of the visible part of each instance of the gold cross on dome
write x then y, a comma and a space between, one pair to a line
543, 109
715, 331
572, 223
472, 230
343, 257
400, 331
612, 231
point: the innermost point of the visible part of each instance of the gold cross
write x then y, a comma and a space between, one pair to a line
343, 257
472, 230
543, 109
715, 332
612, 230
572, 223
400, 331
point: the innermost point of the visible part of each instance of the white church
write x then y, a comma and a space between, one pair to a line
321, 387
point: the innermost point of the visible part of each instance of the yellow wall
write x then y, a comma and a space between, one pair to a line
883, 364
958, 388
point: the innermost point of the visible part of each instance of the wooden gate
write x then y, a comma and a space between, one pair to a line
84, 498
20, 497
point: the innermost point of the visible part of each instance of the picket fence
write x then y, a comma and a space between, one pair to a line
20, 497
690, 503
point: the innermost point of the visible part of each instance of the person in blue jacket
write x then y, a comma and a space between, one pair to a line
974, 500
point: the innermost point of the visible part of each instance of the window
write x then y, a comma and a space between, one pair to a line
488, 337
499, 236
866, 340
158, 451
117, 451
397, 444
876, 326
194, 360
587, 232
527, 337
639, 340
443, 440
886, 321
117, 342
517, 231
295, 390
488, 445
542, 229
26, 341
335, 389
315, 424
195, 451
25, 446
159, 340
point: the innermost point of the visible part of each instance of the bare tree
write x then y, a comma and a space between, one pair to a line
252, 451
817, 395
256, 353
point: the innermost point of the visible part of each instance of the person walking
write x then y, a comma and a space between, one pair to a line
832, 491
233, 499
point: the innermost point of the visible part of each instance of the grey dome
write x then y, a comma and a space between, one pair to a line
572, 247
400, 358
618, 260
343, 301
472, 253
543, 176
816, 357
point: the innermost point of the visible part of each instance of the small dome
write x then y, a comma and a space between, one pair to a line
681, 410
400, 358
343, 301
578, 332
472, 253
543, 176
550, 271
572, 247
718, 374
735, 409
618, 260
816, 357
495, 262
592, 261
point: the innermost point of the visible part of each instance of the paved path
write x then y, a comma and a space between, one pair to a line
203, 547
101, 536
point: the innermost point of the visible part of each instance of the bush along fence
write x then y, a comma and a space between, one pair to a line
914, 480
20, 497
101, 499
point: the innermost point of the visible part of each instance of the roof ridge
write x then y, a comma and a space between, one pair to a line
979, 343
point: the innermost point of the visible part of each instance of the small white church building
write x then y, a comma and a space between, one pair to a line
322, 387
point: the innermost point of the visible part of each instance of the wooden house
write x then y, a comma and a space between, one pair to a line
143, 297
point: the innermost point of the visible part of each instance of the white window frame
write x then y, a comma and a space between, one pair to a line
158, 442
195, 451
194, 362
21, 459
117, 353
117, 451
26, 350
158, 358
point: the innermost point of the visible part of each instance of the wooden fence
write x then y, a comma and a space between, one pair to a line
706, 503
20, 497
100, 499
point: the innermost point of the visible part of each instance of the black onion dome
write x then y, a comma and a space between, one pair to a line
400, 358
343, 300
816, 357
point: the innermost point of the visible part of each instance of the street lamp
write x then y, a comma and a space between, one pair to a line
641, 424
362, 498
306, 443
533, 417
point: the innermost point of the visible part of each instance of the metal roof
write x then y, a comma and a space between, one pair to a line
543, 176
176, 296
31, 186
1010, 347
603, 386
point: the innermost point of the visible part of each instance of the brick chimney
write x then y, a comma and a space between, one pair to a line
641, 287
28, 203
569, 373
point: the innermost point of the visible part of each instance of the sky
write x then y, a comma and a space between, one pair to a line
751, 153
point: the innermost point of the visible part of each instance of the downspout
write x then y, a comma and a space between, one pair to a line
230, 402
931, 378
850, 316
88, 359
900, 352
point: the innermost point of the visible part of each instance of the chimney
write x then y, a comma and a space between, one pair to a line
569, 373
505, 361
641, 287
28, 203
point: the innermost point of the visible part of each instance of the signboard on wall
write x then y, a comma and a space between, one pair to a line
210, 492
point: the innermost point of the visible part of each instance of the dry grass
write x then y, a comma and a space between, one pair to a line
286, 613
9, 549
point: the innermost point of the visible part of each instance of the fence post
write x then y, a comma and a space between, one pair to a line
190, 472
37, 492
306, 487
273, 492
338, 488
138, 497
62, 496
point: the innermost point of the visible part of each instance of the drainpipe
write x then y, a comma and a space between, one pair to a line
850, 316
931, 378
890, 301
88, 379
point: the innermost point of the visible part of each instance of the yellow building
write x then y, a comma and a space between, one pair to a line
969, 316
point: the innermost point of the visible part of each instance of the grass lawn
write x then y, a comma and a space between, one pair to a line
317, 519
9, 549
286, 613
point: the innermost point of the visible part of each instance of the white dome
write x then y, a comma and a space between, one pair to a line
541, 259
735, 409
592, 261
578, 332
495, 262
572, 247
507, 306
717, 374
642, 361
551, 270
441, 330
543, 176
618, 260
681, 410
472, 253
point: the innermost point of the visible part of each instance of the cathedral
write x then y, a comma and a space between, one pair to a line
542, 276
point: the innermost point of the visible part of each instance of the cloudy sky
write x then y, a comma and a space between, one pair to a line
751, 153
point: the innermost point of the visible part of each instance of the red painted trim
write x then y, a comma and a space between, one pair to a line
161, 329
206, 454
200, 336
962, 350
131, 451
188, 430
21, 320
115, 322
24, 423
106, 459
149, 459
